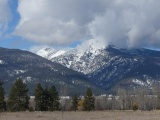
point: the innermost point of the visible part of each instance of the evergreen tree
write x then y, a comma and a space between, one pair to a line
89, 100
54, 98
74, 103
46, 99
18, 98
2, 102
39, 98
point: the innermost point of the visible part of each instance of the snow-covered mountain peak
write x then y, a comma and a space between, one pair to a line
49, 53
82, 60
91, 46
94, 50
44, 52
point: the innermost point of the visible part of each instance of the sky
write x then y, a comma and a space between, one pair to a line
32, 24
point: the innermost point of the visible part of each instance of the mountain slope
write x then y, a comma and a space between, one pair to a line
34, 69
111, 67
82, 61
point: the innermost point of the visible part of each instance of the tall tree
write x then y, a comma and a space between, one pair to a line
2, 102
39, 98
18, 98
89, 100
54, 99
46, 99
74, 103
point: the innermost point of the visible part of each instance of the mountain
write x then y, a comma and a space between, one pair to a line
112, 67
82, 61
128, 68
49, 53
34, 69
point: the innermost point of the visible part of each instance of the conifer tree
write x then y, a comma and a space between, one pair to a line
2, 102
18, 98
89, 100
39, 98
54, 99
46, 99
74, 103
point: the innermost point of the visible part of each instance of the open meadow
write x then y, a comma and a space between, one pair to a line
96, 115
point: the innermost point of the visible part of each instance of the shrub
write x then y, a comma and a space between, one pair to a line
31, 109
135, 107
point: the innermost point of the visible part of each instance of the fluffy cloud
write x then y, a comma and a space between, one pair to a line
55, 22
129, 23
125, 23
5, 15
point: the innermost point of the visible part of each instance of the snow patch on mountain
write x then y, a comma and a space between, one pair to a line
148, 82
44, 52
2, 62
29, 79
58, 53
50, 53
138, 82
16, 72
19, 71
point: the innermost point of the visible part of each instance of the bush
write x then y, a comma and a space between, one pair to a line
31, 109
135, 107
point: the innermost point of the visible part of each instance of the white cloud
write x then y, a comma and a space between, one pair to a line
96, 43
125, 23
4, 16
129, 23
56, 22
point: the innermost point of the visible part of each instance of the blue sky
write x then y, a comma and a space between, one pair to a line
9, 40
27, 24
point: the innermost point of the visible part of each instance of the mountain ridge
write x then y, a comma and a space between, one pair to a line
110, 66
34, 69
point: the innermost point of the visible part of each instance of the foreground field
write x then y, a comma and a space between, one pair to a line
96, 115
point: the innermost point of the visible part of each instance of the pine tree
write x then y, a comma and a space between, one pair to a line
2, 102
54, 99
74, 103
89, 100
39, 98
18, 98
46, 99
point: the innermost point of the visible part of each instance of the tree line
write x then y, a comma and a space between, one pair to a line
46, 99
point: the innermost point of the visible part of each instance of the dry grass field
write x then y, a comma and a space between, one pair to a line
96, 115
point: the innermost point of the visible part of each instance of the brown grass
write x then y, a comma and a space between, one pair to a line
96, 115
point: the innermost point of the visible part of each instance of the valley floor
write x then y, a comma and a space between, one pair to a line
96, 115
